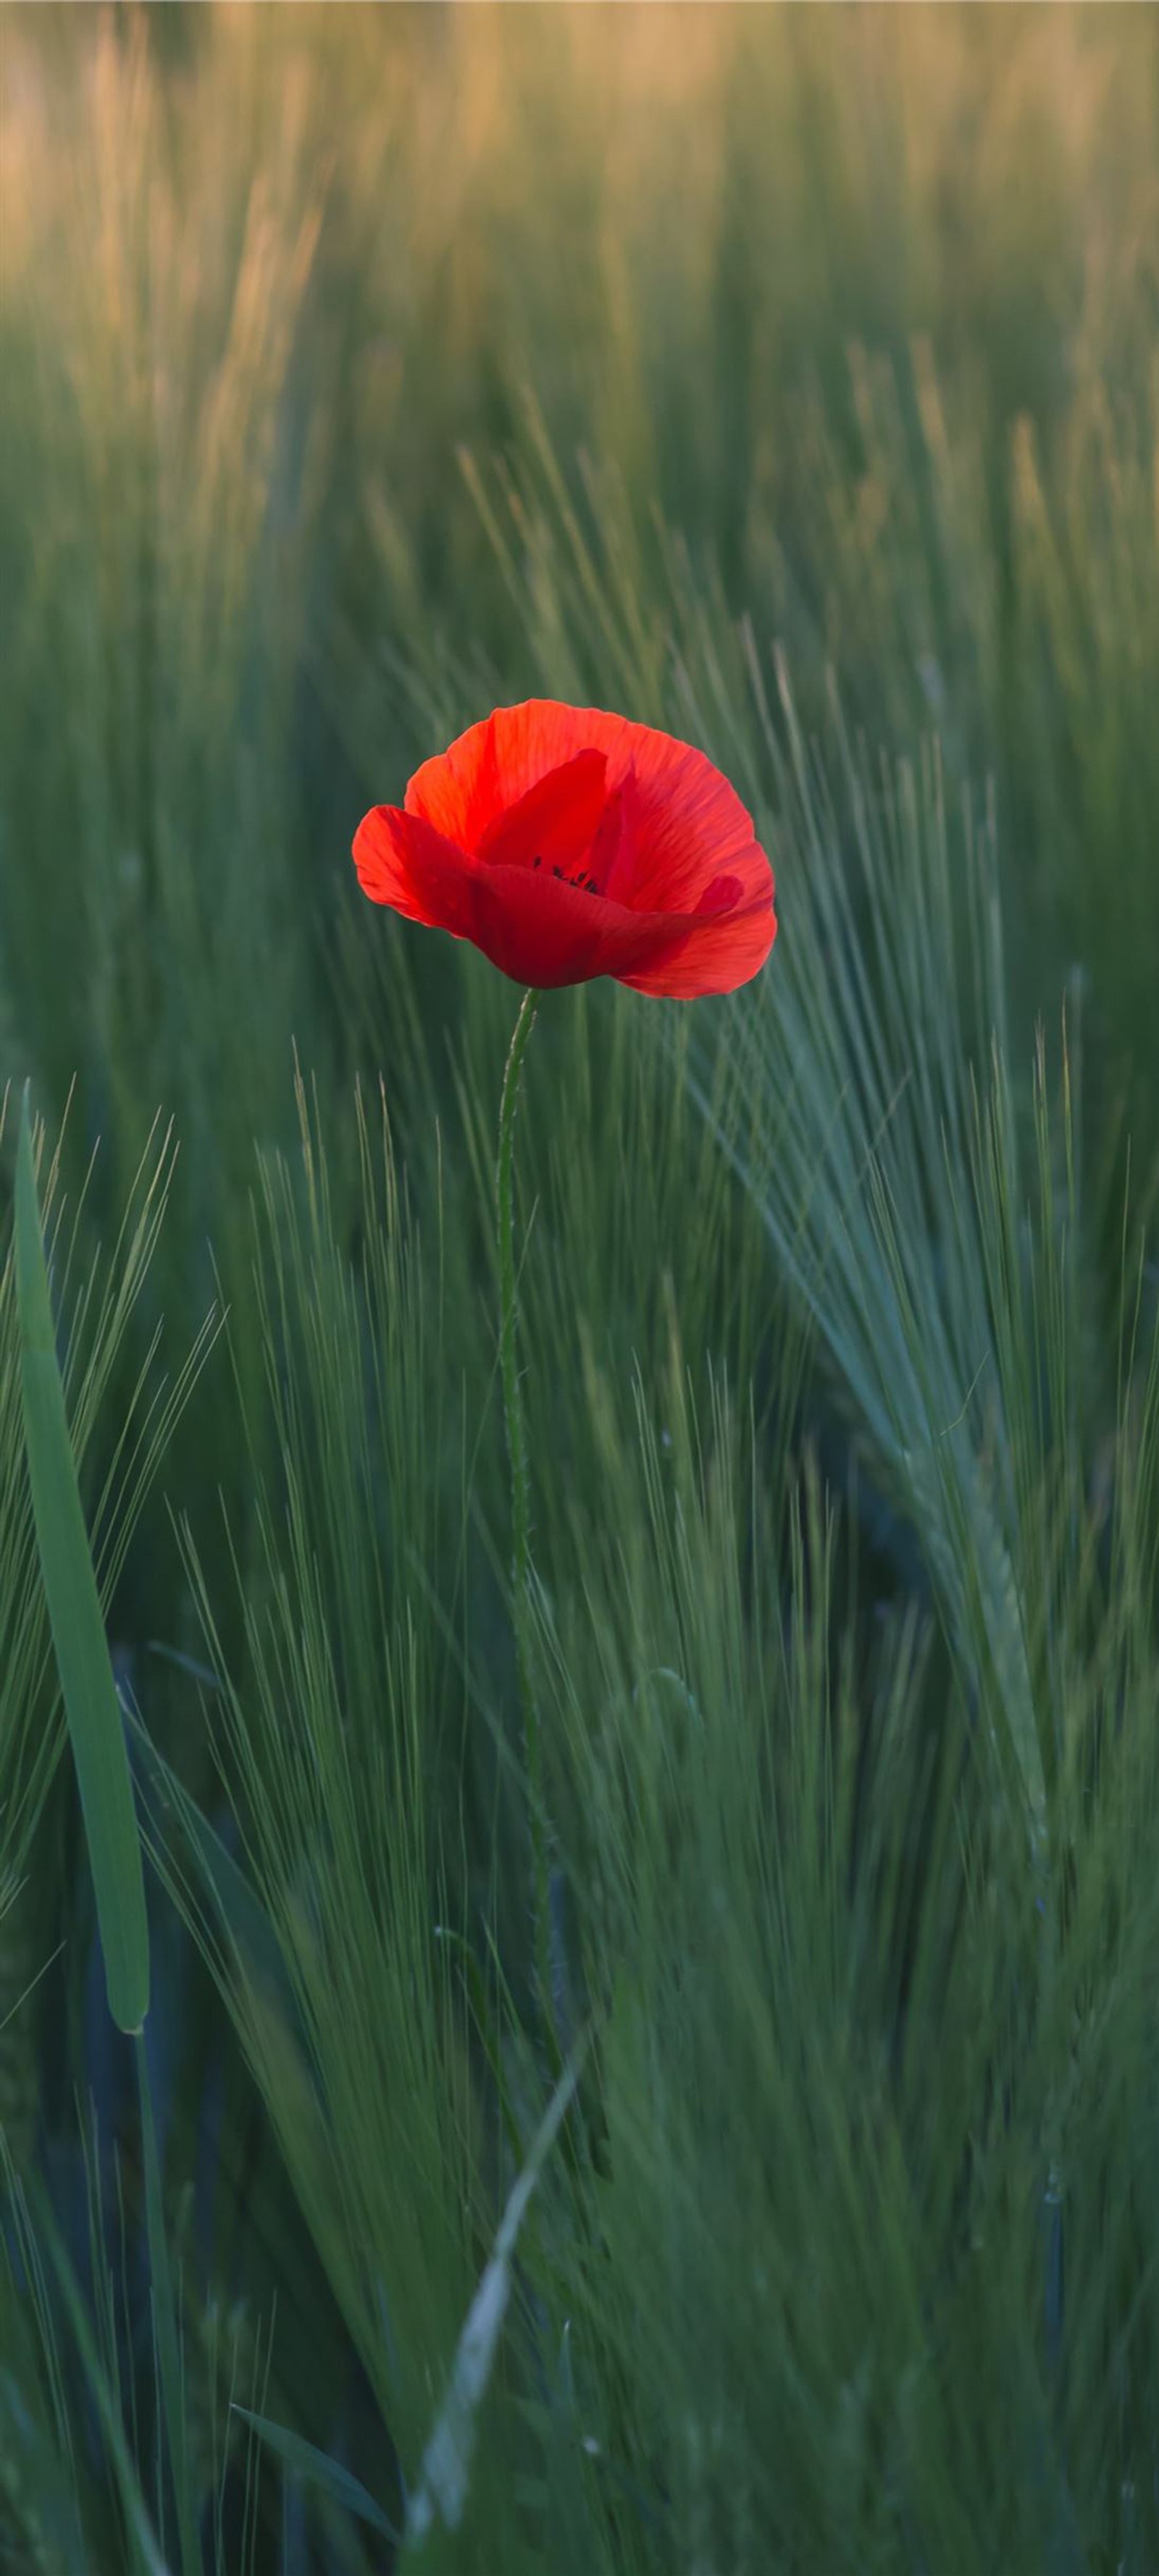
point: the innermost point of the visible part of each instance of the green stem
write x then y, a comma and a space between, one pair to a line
167, 2348
521, 1493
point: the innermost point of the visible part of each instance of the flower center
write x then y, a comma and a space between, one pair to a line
583, 876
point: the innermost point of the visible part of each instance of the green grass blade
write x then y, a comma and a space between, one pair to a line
225, 1916
148, 2559
165, 2322
82, 1655
442, 2494
312, 2466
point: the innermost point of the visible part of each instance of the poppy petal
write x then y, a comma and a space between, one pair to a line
689, 826
554, 824
469, 786
614, 847
534, 926
688, 822
540, 930
403, 862
649, 869
720, 951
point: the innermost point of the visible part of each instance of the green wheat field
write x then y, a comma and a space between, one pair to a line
789, 379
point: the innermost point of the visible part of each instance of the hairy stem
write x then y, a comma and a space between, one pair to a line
521, 1495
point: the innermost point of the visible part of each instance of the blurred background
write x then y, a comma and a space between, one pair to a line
788, 377
362, 365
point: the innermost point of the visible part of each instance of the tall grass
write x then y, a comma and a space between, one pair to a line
786, 378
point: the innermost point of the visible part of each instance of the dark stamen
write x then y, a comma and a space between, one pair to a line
582, 878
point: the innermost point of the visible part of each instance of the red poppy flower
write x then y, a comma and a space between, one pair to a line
567, 843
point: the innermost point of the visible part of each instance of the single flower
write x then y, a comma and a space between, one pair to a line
566, 843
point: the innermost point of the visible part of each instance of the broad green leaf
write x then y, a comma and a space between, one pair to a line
82, 1655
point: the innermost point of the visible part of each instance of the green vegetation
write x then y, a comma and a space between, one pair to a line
788, 378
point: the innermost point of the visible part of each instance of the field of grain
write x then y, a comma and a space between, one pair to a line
771, 2192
